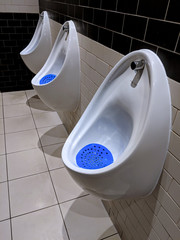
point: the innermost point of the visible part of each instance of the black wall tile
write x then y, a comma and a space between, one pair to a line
162, 33
3, 22
127, 6
99, 17
105, 37
101, 26
88, 15
171, 63
93, 32
71, 10
173, 13
178, 46
110, 5
121, 43
15, 36
137, 44
84, 2
7, 16
95, 3
20, 16
78, 12
115, 21
153, 8
134, 26
14, 23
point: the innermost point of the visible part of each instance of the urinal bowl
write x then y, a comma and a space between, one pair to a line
62, 91
133, 123
39, 48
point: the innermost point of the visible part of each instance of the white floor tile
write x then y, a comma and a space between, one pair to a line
21, 141
14, 97
4, 202
16, 110
17, 124
2, 144
86, 218
65, 186
5, 231
41, 225
3, 173
53, 156
26, 163
46, 119
1, 126
52, 135
31, 193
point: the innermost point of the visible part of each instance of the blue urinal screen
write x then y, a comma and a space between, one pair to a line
47, 78
94, 156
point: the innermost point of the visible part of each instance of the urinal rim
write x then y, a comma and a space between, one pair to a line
46, 71
146, 54
43, 19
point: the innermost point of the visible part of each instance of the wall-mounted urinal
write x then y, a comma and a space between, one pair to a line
58, 82
118, 147
39, 48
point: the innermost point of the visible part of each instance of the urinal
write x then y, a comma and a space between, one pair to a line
118, 147
58, 82
39, 48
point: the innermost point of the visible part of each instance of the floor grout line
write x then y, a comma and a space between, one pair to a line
41, 147
50, 177
8, 188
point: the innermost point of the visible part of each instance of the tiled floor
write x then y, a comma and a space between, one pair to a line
38, 199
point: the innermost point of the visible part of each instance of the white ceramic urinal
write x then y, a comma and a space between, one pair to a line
58, 82
39, 48
118, 147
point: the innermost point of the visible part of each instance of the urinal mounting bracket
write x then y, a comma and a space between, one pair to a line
138, 67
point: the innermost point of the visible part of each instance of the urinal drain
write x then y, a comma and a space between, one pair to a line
94, 156
47, 78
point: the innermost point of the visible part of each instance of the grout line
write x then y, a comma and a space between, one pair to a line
31, 175
167, 10
137, 7
33, 211
76, 198
116, 5
130, 44
146, 29
122, 29
9, 202
110, 236
177, 42
51, 178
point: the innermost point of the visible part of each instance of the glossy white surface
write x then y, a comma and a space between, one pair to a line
133, 123
63, 92
39, 48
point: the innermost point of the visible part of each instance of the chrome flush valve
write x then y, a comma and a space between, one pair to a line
137, 66
66, 29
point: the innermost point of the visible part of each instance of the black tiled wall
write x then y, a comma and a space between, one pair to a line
16, 30
126, 25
